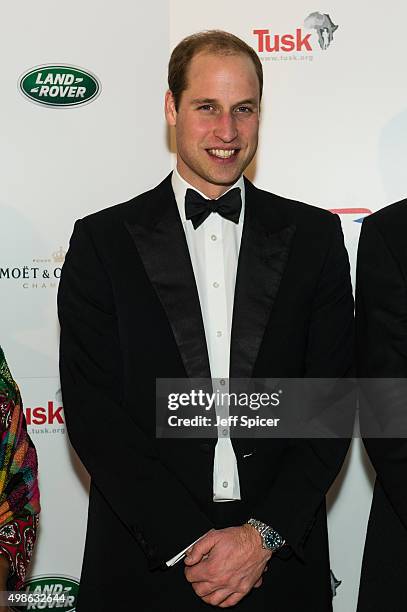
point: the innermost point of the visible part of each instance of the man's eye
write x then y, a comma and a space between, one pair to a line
244, 109
205, 107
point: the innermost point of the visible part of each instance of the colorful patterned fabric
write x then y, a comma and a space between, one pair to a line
19, 494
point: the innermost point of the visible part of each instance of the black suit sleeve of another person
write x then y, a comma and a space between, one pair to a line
381, 324
310, 466
160, 513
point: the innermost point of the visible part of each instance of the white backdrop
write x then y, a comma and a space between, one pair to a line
59, 164
334, 134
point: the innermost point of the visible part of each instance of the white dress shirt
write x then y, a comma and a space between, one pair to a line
214, 251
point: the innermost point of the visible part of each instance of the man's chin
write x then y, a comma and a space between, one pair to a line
224, 181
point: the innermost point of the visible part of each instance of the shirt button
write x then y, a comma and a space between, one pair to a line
219, 333
213, 237
222, 381
224, 432
225, 484
216, 285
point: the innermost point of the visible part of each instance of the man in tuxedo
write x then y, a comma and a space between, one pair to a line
203, 276
381, 323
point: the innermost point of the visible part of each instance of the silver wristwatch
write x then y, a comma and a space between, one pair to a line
271, 539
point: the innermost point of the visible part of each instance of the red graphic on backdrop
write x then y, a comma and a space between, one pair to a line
40, 415
266, 41
360, 212
351, 211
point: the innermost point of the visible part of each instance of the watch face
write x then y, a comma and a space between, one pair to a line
272, 540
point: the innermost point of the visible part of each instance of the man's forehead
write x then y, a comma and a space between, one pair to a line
209, 57
220, 70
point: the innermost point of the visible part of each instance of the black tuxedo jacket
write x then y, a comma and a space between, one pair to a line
129, 313
381, 316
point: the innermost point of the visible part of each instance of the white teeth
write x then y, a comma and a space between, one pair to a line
223, 153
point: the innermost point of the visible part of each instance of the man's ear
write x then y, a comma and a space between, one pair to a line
170, 111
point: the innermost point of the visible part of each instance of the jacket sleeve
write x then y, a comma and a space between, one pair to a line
118, 455
309, 465
381, 324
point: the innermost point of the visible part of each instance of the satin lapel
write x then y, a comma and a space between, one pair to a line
263, 256
161, 243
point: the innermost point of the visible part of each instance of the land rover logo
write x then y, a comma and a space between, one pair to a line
49, 593
59, 85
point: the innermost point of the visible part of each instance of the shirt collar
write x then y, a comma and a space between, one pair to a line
180, 187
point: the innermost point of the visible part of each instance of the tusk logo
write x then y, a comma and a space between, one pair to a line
59, 85
318, 27
324, 27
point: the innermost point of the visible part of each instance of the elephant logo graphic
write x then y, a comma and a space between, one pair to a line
324, 27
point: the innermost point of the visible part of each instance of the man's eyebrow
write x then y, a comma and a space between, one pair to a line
214, 101
204, 101
248, 101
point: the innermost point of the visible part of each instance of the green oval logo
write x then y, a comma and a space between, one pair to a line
59, 86
48, 593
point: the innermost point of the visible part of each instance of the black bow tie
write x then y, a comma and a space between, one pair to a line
198, 208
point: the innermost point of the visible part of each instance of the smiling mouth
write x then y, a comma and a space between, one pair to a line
222, 153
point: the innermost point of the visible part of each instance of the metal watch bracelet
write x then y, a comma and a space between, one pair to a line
271, 539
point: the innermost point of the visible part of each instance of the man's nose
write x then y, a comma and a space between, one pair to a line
225, 127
